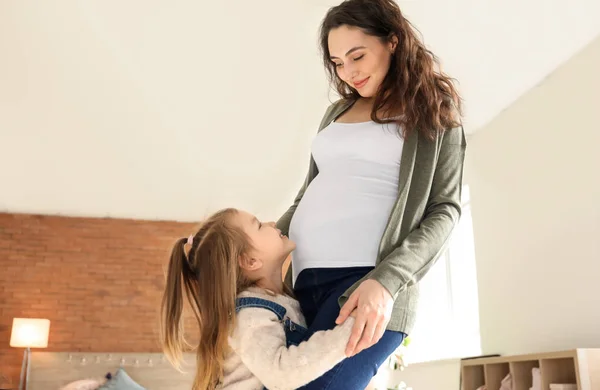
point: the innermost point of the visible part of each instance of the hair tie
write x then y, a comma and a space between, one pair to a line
188, 265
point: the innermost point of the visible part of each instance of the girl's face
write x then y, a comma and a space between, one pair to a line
362, 61
270, 248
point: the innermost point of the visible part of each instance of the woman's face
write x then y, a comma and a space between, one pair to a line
362, 61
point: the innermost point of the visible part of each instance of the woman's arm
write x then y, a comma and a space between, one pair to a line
417, 253
259, 339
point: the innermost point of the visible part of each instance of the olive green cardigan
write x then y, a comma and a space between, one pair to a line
426, 210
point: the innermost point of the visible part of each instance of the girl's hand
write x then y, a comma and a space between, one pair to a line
373, 305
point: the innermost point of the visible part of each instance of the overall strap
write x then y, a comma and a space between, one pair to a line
245, 302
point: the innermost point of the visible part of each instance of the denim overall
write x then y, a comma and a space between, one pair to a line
294, 333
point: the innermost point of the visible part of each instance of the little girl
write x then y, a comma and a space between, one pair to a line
252, 334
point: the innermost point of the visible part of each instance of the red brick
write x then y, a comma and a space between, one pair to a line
99, 281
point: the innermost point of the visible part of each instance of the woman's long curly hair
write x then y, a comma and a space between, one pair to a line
414, 86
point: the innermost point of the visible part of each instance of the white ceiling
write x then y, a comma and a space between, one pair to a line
168, 110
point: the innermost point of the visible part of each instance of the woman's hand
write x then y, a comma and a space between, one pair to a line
373, 305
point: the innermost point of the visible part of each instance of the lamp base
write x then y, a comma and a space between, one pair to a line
24, 379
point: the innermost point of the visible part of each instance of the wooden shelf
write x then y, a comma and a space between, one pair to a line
578, 366
473, 377
494, 373
521, 373
558, 371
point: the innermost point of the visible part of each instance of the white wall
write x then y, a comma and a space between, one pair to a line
159, 110
438, 375
167, 110
534, 178
534, 175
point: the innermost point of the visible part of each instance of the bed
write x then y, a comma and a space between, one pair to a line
52, 370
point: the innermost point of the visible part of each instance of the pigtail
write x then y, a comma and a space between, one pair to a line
171, 329
209, 279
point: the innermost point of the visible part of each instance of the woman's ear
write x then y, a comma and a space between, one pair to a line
393, 43
250, 263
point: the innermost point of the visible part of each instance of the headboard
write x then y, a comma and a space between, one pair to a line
52, 370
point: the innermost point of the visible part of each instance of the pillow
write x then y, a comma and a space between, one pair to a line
84, 384
121, 381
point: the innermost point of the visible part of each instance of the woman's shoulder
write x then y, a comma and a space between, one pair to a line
455, 136
338, 106
452, 136
334, 110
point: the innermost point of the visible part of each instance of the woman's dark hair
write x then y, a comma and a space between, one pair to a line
414, 86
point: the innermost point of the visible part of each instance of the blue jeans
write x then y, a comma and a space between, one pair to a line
318, 290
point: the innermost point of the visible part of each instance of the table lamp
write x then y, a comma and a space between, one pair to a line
28, 333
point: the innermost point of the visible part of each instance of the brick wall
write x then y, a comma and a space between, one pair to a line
99, 281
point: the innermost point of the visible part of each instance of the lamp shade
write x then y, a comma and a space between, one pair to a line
30, 333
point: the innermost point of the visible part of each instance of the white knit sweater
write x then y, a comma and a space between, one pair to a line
260, 356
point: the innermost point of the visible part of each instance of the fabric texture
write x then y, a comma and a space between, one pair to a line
419, 226
84, 384
260, 356
318, 290
294, 333
121, 381
345, 209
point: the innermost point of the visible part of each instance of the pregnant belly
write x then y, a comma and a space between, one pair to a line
342, 221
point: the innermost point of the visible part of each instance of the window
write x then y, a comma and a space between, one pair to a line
448, 317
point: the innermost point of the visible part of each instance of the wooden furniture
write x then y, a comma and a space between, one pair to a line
578, 366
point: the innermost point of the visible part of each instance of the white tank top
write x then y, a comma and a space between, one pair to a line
345, 209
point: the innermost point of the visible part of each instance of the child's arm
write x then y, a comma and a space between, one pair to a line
259, 339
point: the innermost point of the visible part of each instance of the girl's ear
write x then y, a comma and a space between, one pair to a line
250, 263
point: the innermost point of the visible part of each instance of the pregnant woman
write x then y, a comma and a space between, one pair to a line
382, 193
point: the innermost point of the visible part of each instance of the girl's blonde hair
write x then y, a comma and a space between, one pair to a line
209, 278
